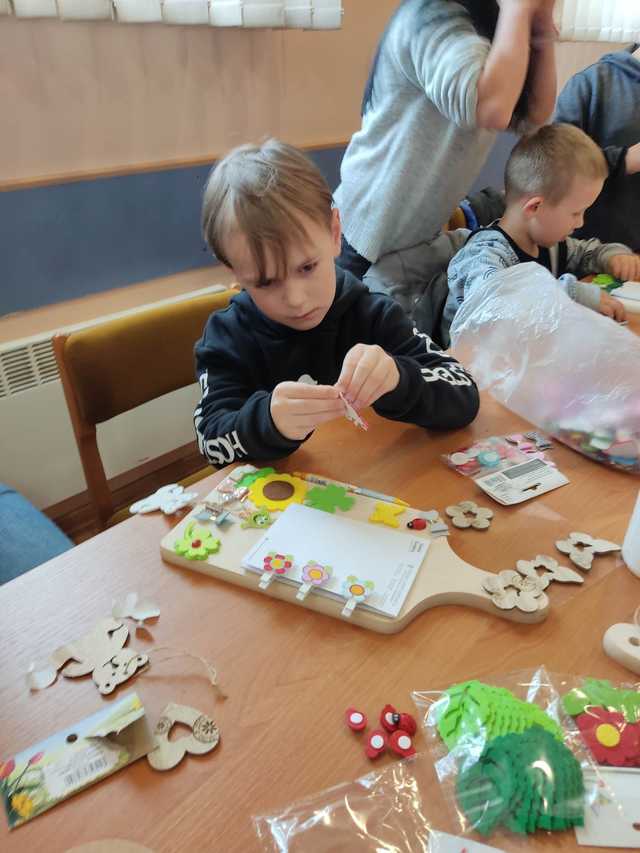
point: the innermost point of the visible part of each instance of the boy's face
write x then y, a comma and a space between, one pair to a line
551, 223
302, 299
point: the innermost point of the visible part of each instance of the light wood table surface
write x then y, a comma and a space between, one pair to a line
290, 673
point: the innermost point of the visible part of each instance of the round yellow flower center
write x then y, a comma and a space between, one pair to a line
608, 735
316, 574
357, 589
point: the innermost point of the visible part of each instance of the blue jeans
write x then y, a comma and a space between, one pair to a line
27, 537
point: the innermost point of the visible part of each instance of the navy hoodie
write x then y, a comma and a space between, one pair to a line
604, 101
243, 355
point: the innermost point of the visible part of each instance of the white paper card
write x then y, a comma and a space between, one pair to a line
387, 557
521, 482
609, 822
35, 8
442, 842
629, 290
80, 768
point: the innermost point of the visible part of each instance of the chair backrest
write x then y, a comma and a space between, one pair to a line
112, 367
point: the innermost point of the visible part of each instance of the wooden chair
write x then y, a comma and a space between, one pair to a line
112, 367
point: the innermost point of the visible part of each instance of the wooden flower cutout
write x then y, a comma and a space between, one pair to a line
469, 514
552, 570
508, 590
582, 548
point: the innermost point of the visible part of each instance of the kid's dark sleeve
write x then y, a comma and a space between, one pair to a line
233, 420
434, 390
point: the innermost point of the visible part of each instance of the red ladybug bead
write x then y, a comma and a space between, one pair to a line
376, 744
407, 724
356, 720
389, 718
417, 524
402, 744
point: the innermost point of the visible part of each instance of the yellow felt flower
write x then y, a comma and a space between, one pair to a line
260, 500
23, 804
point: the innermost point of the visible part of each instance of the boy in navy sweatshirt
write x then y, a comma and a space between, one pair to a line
268, 215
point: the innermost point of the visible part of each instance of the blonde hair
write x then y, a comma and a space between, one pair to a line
547, 163
262, 191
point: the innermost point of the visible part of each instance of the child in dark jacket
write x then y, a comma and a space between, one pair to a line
268, 215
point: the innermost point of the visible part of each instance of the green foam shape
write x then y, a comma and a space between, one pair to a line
524, 782
249, 479
328, 498
602, 694
478, 709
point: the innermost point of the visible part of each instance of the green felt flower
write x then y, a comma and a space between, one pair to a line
329, 498
602, 694
197, 543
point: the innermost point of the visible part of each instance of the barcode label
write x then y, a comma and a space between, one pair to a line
81, 774
79, 767
524, 469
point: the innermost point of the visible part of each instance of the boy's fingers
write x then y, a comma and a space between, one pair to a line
302, 391
304, 408
348, 368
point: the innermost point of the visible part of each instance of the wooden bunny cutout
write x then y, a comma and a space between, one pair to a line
101, 652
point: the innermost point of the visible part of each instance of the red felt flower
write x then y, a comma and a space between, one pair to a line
611, 739
7, 768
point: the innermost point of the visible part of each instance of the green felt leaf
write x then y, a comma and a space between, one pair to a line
602, 694
329, 498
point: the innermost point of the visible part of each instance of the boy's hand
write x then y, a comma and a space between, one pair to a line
368, 372
625, 267
297, 409
612, 307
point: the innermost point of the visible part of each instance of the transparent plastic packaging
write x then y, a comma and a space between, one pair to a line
569, 370
507, 765
496, 453
386, 810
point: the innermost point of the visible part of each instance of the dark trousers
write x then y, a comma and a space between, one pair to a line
353, 262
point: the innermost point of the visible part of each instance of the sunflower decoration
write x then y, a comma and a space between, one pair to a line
196, 543
277, 491
610, 737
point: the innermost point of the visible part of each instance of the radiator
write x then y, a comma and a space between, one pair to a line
38, 452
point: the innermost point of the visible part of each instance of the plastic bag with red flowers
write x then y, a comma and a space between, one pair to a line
607, 717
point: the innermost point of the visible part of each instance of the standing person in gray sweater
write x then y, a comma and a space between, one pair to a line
447, 75
604, 101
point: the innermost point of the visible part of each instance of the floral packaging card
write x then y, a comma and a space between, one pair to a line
50, 771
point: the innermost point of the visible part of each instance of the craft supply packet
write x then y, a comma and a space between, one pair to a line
505, 762
497, 452
54, 769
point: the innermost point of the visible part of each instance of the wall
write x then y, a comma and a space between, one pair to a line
95, 96
109, 131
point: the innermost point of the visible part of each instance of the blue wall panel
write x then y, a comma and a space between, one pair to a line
68, 240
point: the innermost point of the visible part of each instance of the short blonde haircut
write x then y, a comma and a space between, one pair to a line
261, 192
547, 163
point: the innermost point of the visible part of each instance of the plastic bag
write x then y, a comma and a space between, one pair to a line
386, 810
496, 453
504, 760
569, 370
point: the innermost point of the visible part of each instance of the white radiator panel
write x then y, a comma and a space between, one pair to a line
38, 452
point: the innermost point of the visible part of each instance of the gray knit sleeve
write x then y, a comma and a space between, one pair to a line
446, 58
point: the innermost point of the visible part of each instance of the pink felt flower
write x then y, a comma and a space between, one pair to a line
611, 739
278, 563
315, 574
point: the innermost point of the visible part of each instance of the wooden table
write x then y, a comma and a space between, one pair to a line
290, 673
